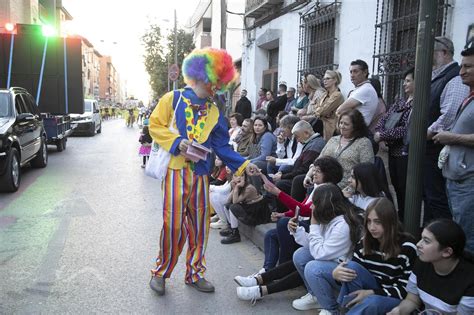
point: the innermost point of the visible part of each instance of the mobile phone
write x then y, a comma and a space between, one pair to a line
347, 298
297, 212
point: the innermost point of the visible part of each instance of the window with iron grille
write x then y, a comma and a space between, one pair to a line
395, 41
317, 37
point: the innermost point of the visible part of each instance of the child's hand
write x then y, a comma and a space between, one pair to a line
292, 224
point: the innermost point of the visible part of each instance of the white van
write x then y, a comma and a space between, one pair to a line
88, 122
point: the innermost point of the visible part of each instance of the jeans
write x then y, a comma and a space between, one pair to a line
434, 192
279, 244
461, 199
317, 276
371, 305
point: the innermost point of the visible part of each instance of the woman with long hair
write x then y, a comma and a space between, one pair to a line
365, 185
330, 101
264, 144
279, 244
374, 281
312, 87
334, 223
393, 129
442, 277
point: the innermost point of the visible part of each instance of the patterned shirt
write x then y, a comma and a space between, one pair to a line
451, 98
394, 137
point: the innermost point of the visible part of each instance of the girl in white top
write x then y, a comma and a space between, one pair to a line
365, 185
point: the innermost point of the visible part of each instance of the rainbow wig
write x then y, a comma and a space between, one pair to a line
211, 66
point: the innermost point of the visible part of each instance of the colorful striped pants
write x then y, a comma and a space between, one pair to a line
186, 214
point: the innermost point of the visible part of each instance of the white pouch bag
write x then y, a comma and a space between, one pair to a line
157, 165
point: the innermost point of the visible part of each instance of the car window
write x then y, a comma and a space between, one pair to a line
5, 107
87, 106
20, 105
29, 104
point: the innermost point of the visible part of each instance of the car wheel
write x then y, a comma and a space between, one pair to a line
10, 181
41, 159
61, 145
100, 128
92, 131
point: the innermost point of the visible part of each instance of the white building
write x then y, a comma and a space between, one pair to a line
286, 38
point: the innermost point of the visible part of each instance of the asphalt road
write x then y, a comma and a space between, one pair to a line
81, 235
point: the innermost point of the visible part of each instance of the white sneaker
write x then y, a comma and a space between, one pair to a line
215, 218
324, 312
251, 294
261, 271
306, 302
249, 281
219, 225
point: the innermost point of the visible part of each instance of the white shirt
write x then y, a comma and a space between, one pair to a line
367, 97
282, 151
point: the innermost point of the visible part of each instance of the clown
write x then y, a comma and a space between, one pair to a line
186, 208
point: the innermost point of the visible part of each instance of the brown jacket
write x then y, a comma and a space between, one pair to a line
326, 111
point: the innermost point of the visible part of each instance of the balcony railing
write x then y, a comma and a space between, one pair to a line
257, 8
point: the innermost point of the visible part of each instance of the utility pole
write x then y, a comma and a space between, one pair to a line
175, 45
223, 23
418, 122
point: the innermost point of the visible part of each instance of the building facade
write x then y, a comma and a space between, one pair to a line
49, 12
90, 70
286, 38
109, 82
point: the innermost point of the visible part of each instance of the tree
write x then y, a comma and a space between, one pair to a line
157, 61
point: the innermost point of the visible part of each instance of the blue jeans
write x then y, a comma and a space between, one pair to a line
279, 244
317, 276
371, 305
461, 199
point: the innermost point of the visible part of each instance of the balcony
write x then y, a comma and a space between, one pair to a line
257, 8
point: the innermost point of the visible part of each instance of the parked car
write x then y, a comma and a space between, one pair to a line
89, 122
22, 137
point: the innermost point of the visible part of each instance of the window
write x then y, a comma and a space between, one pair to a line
20, 105
317, 39
30, 104
273, 58
395, 41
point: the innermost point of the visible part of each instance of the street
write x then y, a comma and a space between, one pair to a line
81, 235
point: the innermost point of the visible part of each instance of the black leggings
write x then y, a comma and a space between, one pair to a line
145, 158
287, 276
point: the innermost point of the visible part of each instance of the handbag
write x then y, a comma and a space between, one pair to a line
393, 120
157, 165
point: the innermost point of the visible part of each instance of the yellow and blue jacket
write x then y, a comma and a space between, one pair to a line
214, 135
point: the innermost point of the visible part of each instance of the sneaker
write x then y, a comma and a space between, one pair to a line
215, 218
306, 302
324, 312
143, 165
263, 270
249, 281
219, 224
251, 294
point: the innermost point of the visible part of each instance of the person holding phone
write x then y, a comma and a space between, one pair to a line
333, 223
279, 244
374, 281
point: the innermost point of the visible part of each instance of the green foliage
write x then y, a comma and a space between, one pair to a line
159, 55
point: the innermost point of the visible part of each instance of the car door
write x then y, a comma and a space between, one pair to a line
22, 129
36, 123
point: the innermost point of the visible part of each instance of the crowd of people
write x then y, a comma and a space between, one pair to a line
316, 173
317, 154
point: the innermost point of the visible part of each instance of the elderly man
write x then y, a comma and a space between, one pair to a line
291, 100
447, 93
185, 119
459, 167
312, 143
288, 148
363, 97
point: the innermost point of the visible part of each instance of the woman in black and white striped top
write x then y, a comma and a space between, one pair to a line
375, 279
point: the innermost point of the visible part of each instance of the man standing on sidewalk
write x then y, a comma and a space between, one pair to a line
186, 209
459, 167
447, 93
